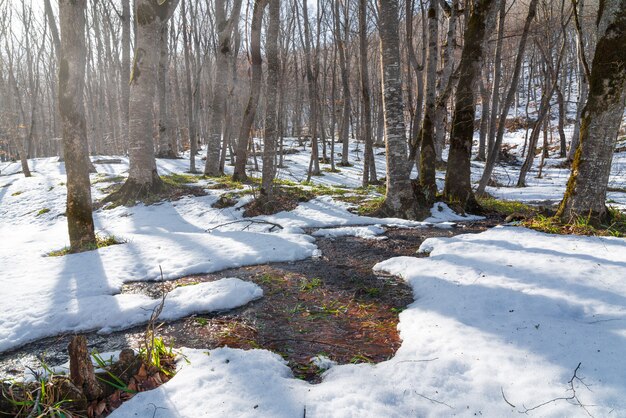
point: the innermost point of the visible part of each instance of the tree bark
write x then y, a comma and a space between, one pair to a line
72, 109
143, 178
344, 127
241, 156
271, 122
428, 157
125, 72
81, 369
458, 187
586, 189
369, 169
400, 199
165, 141
225, 27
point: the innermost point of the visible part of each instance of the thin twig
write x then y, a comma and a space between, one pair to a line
574, 397
505, 399
433, 400
250, 221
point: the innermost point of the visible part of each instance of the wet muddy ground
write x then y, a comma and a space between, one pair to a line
333, 305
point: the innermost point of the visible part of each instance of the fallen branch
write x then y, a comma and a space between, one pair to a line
574, 397
250, 223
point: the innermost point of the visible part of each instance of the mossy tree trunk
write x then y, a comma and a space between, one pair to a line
72, 110
401, 198
458, 186
143, 178
586, 189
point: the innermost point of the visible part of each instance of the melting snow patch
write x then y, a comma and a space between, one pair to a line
366, 232
440, 212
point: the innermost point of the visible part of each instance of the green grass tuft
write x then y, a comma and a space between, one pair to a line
101, 242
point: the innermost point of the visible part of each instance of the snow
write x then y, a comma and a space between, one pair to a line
323, 362
46, 296
366, 232
506, 313
440, 212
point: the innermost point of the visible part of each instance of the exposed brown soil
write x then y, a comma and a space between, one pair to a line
332, 305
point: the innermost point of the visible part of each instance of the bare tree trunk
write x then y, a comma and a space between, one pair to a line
497, 77
484, 120
561, 124
493, 154
400, 199
368, 160
225, 27
548, 90
446, 81
428, 157
344, 128
143, 178
125, 73
583, 84
255, 88
191, 121
71, 105
165, 142
458, 187
273, 72
314, 164
586, 189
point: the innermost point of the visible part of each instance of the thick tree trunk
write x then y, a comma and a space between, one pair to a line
72, 109
271, 117
143, 178
458, 187
401, 197
586, 189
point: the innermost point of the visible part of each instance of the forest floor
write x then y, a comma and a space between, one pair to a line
492, 321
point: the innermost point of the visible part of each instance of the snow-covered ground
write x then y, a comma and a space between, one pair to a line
500, 318
500, 323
